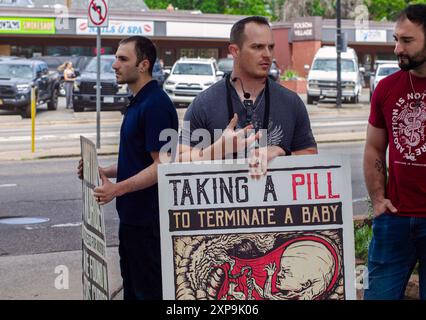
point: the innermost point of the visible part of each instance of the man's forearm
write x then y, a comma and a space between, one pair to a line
143, 180
375, 174
111, 171
212, 152
311, 150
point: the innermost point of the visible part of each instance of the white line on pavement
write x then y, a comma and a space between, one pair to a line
339, 123
57, 137
360, 200
8, 185
66, 225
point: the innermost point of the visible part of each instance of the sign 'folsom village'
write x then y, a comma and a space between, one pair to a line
226, 236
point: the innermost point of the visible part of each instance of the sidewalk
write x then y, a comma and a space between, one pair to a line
32, 277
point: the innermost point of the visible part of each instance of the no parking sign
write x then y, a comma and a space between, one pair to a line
98, 13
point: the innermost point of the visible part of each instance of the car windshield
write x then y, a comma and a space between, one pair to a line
16, 71
193, 69
106, 65
225, 64
387, 71
331, 65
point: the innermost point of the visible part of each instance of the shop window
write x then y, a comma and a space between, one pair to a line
187, 52
27, 51
209, 53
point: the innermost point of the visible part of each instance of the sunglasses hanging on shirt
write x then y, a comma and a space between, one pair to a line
248, 104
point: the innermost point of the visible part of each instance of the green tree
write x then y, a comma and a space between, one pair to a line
211, 6
385, 9
157, 4
247, 7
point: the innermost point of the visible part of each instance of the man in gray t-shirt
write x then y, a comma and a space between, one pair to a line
288, 125
246, 100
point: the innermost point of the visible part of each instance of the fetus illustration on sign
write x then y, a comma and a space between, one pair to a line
274, 266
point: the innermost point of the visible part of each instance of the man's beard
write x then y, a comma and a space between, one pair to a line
412, 62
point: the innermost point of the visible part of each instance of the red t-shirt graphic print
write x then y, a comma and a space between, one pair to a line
402, 112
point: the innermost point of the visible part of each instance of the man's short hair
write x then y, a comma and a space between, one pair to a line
237, 31
145, 50
416, 13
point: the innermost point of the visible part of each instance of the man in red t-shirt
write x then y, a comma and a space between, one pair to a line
398, 121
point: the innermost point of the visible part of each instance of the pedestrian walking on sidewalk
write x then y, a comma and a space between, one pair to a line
149, 112
397, 122
247, 100
69, 78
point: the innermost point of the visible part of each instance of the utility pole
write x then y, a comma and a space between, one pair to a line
338, 51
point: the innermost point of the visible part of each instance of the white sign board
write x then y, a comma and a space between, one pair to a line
198, 30
117, 28
95, 269
97, 13
370, 35
289, 235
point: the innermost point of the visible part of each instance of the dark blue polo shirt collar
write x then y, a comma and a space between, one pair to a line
148, 87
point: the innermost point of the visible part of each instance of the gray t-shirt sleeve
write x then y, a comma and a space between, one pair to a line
303, 137
194, 132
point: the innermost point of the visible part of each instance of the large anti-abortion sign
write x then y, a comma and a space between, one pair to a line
289, 235
95, 269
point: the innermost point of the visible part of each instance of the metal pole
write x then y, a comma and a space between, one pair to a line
33, 115
98, 89
338, 51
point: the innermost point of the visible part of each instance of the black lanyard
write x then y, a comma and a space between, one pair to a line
231, 108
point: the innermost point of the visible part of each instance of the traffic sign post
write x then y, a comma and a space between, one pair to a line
98, 17
98, 13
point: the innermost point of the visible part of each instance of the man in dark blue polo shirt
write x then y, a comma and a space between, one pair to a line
149, 113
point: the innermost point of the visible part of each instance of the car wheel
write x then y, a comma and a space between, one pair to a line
26, 111
78, 108
355, 99
53, 103
311, 99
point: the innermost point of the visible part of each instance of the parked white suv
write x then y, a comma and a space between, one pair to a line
383, 70
189, 77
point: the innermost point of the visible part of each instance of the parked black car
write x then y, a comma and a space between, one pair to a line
113, 95
17, 76
226, 65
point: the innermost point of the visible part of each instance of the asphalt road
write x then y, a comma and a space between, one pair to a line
46, 189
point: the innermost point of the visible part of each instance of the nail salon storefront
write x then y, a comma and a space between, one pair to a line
34, 32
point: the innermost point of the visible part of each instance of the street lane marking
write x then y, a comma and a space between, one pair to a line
360, 200
8, 185
58, 137
67, 225
339, 123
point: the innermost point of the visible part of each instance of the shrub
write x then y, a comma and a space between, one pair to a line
289, 75
363, 234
